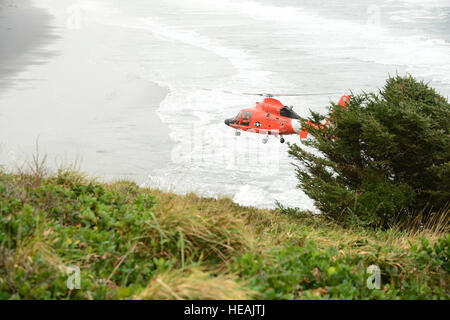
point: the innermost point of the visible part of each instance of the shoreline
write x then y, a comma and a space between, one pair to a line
76, 102
24, 32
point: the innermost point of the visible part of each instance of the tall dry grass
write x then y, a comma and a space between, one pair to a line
193, 283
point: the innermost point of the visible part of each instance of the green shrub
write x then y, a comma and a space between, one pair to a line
381, 157
311, 272
116, 236
130, 242
434, 262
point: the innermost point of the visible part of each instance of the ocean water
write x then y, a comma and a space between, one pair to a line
199, 48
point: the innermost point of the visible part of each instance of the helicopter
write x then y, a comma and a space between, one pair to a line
271, 117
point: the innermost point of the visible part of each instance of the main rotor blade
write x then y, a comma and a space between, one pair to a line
303, 94
281, 94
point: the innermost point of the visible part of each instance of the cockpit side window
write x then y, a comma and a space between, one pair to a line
246, 118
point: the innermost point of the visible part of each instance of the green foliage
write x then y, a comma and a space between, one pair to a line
133, 243
434, 261
382, 156
80, 222
310, 272
116, 238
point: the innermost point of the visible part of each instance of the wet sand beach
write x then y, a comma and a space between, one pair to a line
24, 32
57, 88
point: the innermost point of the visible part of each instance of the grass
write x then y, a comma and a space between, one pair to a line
142, 243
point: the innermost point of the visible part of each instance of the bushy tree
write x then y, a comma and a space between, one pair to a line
382, 156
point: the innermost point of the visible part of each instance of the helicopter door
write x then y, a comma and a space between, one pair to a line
246, 118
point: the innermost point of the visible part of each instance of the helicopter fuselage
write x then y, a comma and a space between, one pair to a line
271, 117
266, 118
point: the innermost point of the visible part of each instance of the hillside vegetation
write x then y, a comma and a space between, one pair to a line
137, 243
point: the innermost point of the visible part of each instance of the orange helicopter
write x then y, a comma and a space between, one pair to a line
271, 117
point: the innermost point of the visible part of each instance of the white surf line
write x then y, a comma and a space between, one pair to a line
370, 43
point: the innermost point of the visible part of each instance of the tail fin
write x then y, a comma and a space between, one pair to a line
343, 102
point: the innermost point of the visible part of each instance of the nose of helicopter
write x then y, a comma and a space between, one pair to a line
227, 121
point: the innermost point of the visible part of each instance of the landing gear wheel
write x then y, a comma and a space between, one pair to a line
265, 140
282, 140
237, 133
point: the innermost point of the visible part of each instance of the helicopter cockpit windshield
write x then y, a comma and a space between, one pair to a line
237, 118
289, 112
243, 119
